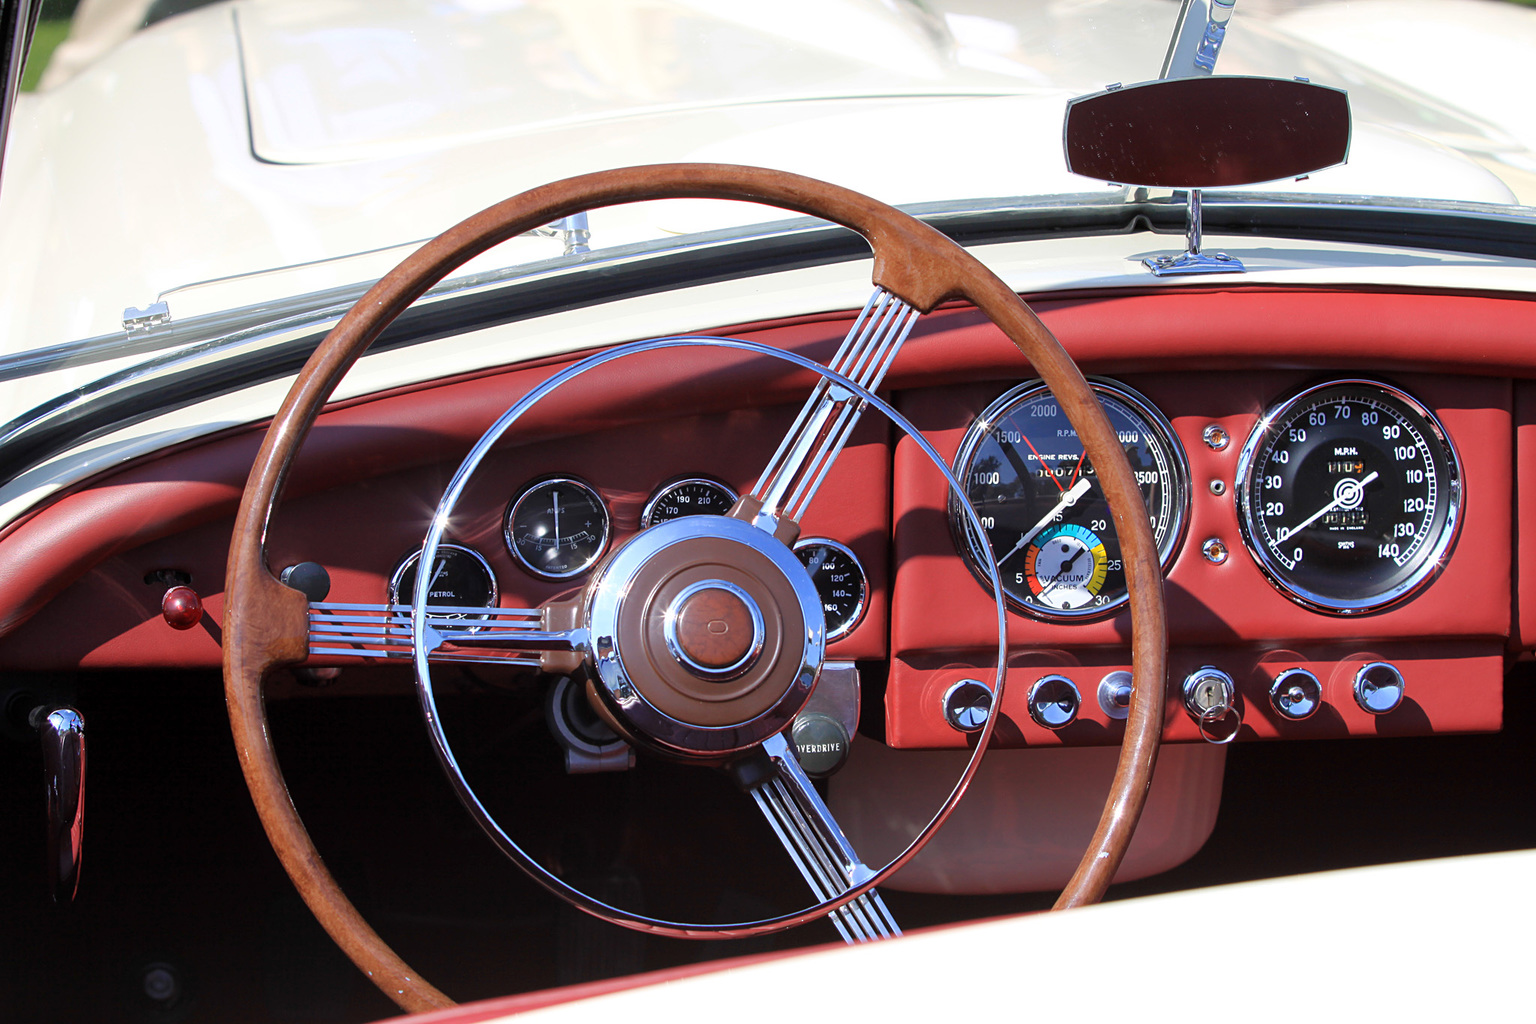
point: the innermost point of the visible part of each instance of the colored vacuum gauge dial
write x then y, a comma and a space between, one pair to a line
557, 528
1045, 515
693, 496
461, 578
840, 583
1349, 496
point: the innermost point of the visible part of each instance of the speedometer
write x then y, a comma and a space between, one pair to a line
1046, 518
1349, 495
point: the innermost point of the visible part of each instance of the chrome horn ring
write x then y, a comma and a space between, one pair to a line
593, 650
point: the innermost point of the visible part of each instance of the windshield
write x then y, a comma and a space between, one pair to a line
177, 161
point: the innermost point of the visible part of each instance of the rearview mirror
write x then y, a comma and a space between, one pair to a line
1207, 132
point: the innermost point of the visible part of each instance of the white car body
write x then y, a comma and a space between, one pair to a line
282, 156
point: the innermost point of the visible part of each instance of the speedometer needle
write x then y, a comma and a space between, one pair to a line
1068, 499
1346, 495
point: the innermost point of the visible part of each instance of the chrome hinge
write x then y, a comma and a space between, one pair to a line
156, 314
572, 230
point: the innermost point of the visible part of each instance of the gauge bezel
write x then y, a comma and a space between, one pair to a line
1154, 420
524, 494
646, 522
411, 557
1431, 561
857, 615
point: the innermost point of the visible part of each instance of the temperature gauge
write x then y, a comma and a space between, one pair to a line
840, 582
693, 496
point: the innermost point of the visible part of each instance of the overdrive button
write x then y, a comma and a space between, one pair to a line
714, 629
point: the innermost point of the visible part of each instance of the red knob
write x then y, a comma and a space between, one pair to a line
181, 607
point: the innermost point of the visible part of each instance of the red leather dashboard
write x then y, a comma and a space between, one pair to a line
73, 590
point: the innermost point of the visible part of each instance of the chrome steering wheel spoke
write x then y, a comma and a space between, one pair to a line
818, 846
827, 419
487, 636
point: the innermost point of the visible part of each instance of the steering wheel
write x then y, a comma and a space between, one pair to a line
680, 691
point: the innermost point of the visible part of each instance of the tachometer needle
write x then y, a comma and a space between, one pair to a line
1342, 496
1068, 499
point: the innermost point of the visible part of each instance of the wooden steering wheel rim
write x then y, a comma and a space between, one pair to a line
266, 623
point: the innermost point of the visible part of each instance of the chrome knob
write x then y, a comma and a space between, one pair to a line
1054, 701
1115, 694
968, 705
1379, 687
1209, 694
1296, 694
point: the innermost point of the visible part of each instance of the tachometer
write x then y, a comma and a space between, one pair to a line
557, 527
1349, 495
1023, 467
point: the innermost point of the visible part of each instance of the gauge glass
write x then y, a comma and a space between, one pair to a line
461, 578
557, 528
1045, 515
694, 496
1350, 496
840, 583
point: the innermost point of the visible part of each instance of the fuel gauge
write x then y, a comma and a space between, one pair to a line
462, 578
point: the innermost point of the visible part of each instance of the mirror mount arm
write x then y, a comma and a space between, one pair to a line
1197, 37
1192, 260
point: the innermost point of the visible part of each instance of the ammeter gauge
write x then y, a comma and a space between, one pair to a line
557, 527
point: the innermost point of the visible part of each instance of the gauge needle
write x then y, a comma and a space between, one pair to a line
1062, 571
556, 496
1346, 495
1068, 499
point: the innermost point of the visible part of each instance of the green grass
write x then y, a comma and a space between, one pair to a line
48, 35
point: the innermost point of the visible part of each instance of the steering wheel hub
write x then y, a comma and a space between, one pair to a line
714, 629
706, 636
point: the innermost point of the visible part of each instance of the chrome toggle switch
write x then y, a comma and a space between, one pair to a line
1296, 694
1379, 687
1054, 701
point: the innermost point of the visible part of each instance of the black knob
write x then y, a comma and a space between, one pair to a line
821, 744
308, 578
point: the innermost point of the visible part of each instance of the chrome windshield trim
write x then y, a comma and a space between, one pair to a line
201, 357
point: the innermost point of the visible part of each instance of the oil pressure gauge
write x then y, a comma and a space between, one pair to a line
1350, 496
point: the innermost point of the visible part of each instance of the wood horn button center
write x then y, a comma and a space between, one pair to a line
714, 629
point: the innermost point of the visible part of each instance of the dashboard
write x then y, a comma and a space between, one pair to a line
1206, 369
